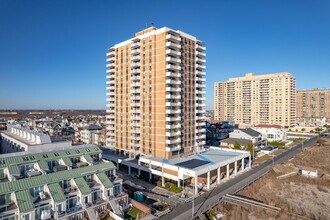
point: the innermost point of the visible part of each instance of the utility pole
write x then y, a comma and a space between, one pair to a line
193, 201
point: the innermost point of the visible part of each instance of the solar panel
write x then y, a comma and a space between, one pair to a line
193, 163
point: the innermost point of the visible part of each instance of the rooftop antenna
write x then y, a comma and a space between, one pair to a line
146, 25
152, 24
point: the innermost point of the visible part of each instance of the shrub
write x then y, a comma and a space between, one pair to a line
237, 146
175, 189
276, 143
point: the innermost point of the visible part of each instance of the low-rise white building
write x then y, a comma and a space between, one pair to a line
247, 134
18, 139
91, 134
271, 132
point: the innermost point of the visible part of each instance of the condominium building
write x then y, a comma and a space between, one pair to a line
17, 139
257, 99
155, 101
313, 103
73, 184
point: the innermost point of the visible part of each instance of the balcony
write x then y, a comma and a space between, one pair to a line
135, 104
136, 78
200, 73
171, 74
111, 53
169, 119
200, 66
135, 91
174, 104
173, 67
135, 111
135, 65
173, 37
136, 51
173, 45
135, 84
174, 82
135, 58
135, 131
173, 96
199, 60
111, 59
110, 105
200, 48
200, 54
173, 141
173, 60
170, 149
135, 71
135, 124
135, 45
176, 126
112, 70
173, 52
173, 134
171, 111
135, 118
136, 138
110, 76
173, 89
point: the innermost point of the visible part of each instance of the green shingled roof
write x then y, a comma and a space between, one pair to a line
26, 183
104, 180
49, 155
56, 192
24, 201
43, 165
67, 161
88, 158
82, 186
14, 170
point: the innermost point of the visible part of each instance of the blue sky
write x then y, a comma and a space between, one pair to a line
52, 53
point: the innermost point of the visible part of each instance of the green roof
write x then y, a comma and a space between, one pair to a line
56, 192
67, 161
43, 165
49, 155
24, 201
104, 180
14, 170
88, 158
27, 183
82, 186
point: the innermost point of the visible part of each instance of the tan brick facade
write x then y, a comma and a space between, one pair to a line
313, 103
155, 94
257, 99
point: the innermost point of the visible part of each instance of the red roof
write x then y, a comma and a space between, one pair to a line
268, 126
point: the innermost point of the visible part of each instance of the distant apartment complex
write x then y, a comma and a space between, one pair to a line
17, 139
155, 102
257, 99
69, 184
313, 103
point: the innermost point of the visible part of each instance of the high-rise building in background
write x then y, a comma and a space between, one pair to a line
155, 101
313, 103
257, 99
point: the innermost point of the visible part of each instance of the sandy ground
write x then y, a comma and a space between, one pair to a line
299, 197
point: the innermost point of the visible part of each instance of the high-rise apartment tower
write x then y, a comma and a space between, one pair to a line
257, 99
313, 103
155, 101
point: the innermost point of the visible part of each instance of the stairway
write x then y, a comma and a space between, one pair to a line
115, 207
91, 213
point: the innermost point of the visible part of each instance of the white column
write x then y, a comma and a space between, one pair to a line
129, 170
243, 164
250, 161
163, 179
117, 165
227, 171
208, 180
235, 170
150, 175
219, 175
179, 184
196, 187
139, 170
